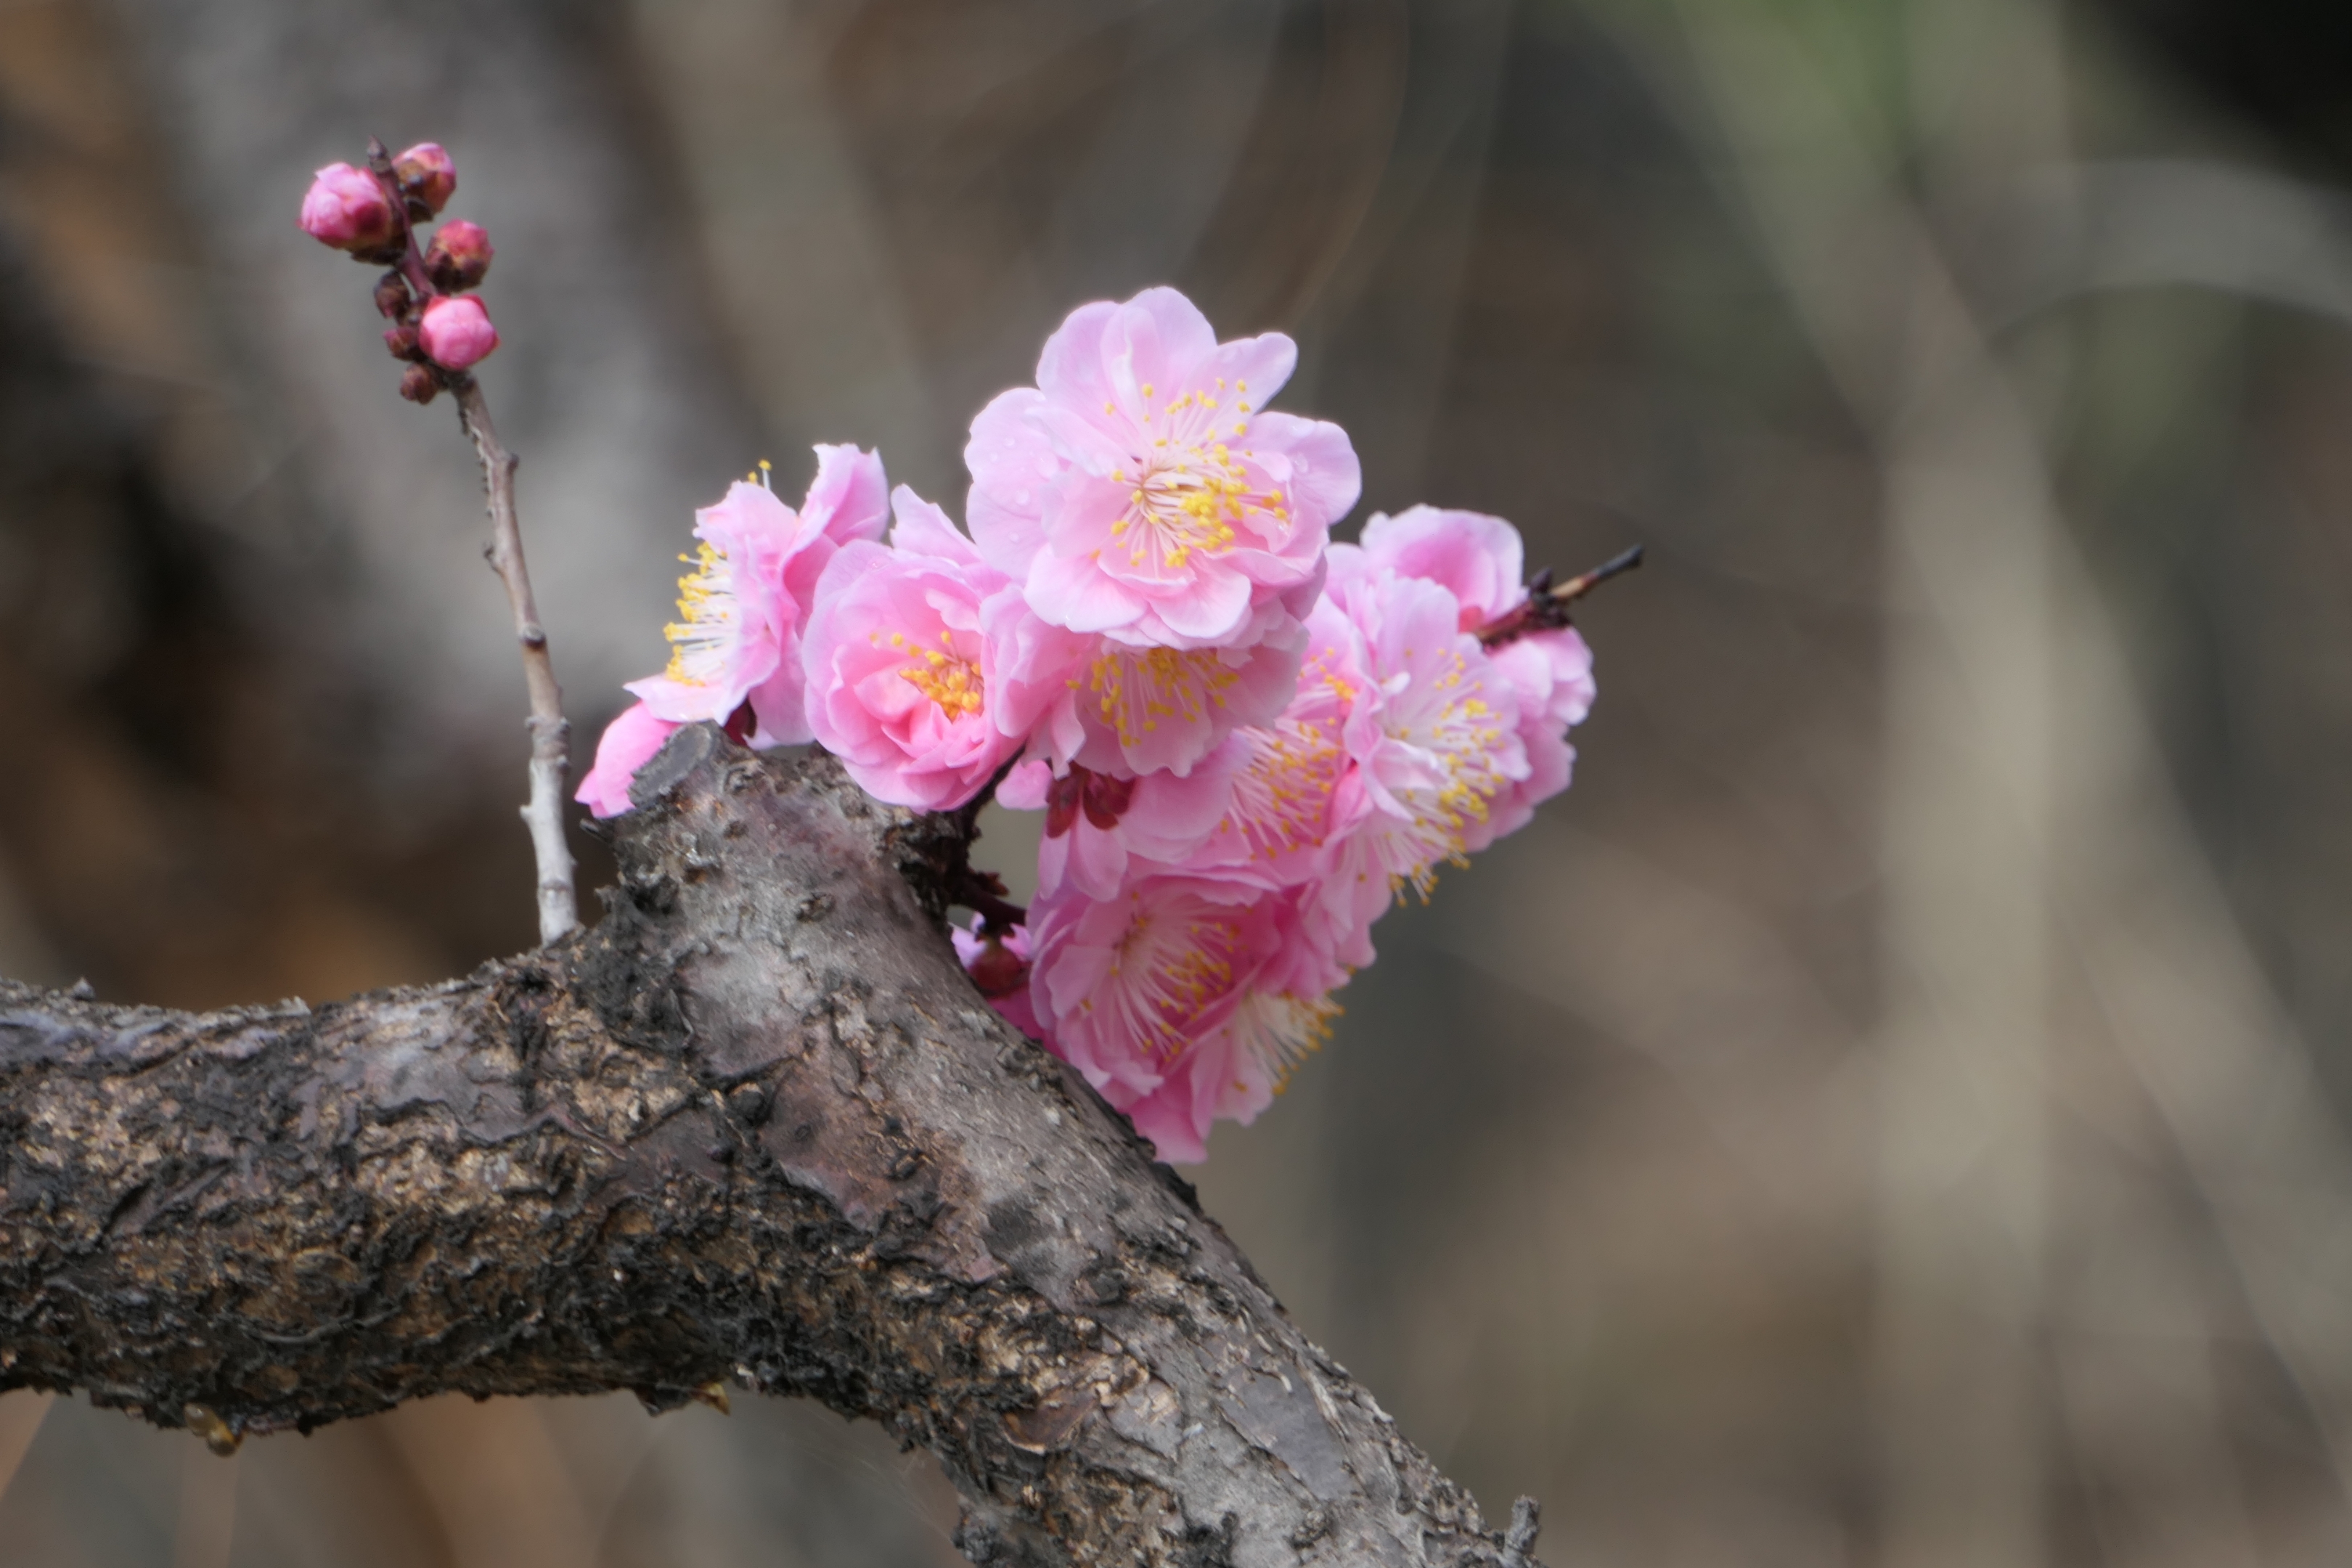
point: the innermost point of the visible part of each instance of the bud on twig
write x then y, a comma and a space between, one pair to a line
391, 297
419, 384
428, 176
347, 209
458, 256
402, 342
457, 331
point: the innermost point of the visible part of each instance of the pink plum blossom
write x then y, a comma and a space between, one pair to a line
1168, 998
1286, 800
1000, 968
1127, 710
1476, 558
629, 744
347, 209
1480, 559
1551, 673
456, 331
744, 606
895, 659
1435, 742
1140, 489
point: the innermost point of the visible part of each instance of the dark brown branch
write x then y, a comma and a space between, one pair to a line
756, 1127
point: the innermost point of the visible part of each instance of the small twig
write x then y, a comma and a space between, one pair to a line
1545, 608
1519, 1543
550, 735
1575, 588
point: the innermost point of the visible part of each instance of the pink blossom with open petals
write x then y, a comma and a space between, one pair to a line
1000, 968
1127, 710
1286, 802
1126, 986
1551, 673
348, 208
1481, 561
1435, 742
895, 659
1476, 558
744, 608
1182, 1000
628, 744
1139, 488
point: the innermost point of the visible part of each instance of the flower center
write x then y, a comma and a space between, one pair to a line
951, 682
1458, 729
1279, 1031
1189, 493
712, 626
1282, 796
1138, 687
1168, 967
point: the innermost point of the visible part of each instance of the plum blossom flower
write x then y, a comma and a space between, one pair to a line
744, 606
629, 744
347, 209
1127, 711
1479, 559
455, 332
1286, 802
896, 662
1476, 558
1171, 998
998, 966
1435, 742
1140, 490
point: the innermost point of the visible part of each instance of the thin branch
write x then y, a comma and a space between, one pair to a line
551, 733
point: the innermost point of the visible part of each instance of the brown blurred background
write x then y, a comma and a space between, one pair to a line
1891, 1111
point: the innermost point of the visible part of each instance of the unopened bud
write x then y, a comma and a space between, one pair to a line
392, 296
459, 256
402, 342
427, 176
998, 971
419, 384
457, 331
347, 209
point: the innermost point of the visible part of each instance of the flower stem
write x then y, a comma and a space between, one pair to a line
551, 734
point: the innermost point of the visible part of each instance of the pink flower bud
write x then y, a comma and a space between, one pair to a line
459, 256
427, 176
419, 384
347, 209
457, 332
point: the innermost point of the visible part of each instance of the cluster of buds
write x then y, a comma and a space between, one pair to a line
438, 327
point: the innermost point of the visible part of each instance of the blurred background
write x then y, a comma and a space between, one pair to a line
1892, 1111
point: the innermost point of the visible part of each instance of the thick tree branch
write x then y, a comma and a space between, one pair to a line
754, 1127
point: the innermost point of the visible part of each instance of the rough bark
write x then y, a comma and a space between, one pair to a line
755, 1127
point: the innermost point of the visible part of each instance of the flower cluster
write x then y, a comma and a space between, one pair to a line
438, 327
1246, 741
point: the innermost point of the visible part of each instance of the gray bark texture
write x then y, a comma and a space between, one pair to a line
755, 1127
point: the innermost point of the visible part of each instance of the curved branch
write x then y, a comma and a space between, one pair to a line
754, 1127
